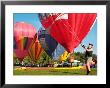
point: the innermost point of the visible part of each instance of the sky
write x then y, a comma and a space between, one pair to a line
32, 18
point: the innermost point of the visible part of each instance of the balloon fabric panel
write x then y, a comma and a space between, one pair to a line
35, 48
64, 56
58, 51
83, 23
48, 43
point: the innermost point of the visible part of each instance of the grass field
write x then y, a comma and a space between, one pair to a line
52, 71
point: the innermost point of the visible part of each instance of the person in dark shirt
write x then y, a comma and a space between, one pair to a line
89, 60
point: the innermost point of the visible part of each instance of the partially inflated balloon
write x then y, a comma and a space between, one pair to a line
23, 36
48, 43
64, 56
35, 49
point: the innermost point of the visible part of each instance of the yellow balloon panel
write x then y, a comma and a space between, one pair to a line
64, 56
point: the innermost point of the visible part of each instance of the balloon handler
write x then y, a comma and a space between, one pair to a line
89, 59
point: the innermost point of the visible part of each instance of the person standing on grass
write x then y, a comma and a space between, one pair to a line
89, 60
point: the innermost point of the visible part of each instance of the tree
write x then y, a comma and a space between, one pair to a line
44, 59
27, 60
16, 61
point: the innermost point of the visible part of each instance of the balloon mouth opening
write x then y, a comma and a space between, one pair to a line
68, 47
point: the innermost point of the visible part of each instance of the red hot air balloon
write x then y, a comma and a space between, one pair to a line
68, 29
23, 36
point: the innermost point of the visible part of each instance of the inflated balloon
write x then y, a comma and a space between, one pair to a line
68, 29
35, 49
48, 43
23, 36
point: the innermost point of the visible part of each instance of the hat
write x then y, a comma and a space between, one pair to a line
91, 44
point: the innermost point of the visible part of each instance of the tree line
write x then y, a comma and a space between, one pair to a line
46, 60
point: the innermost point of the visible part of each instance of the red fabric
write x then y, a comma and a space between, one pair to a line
66, 31
22, 29
20, 53
81, 24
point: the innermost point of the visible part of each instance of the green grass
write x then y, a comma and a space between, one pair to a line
53, 71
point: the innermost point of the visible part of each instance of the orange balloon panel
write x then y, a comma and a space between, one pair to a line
35, 49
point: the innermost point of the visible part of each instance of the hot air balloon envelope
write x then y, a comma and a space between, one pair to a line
23, 36
68, 29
